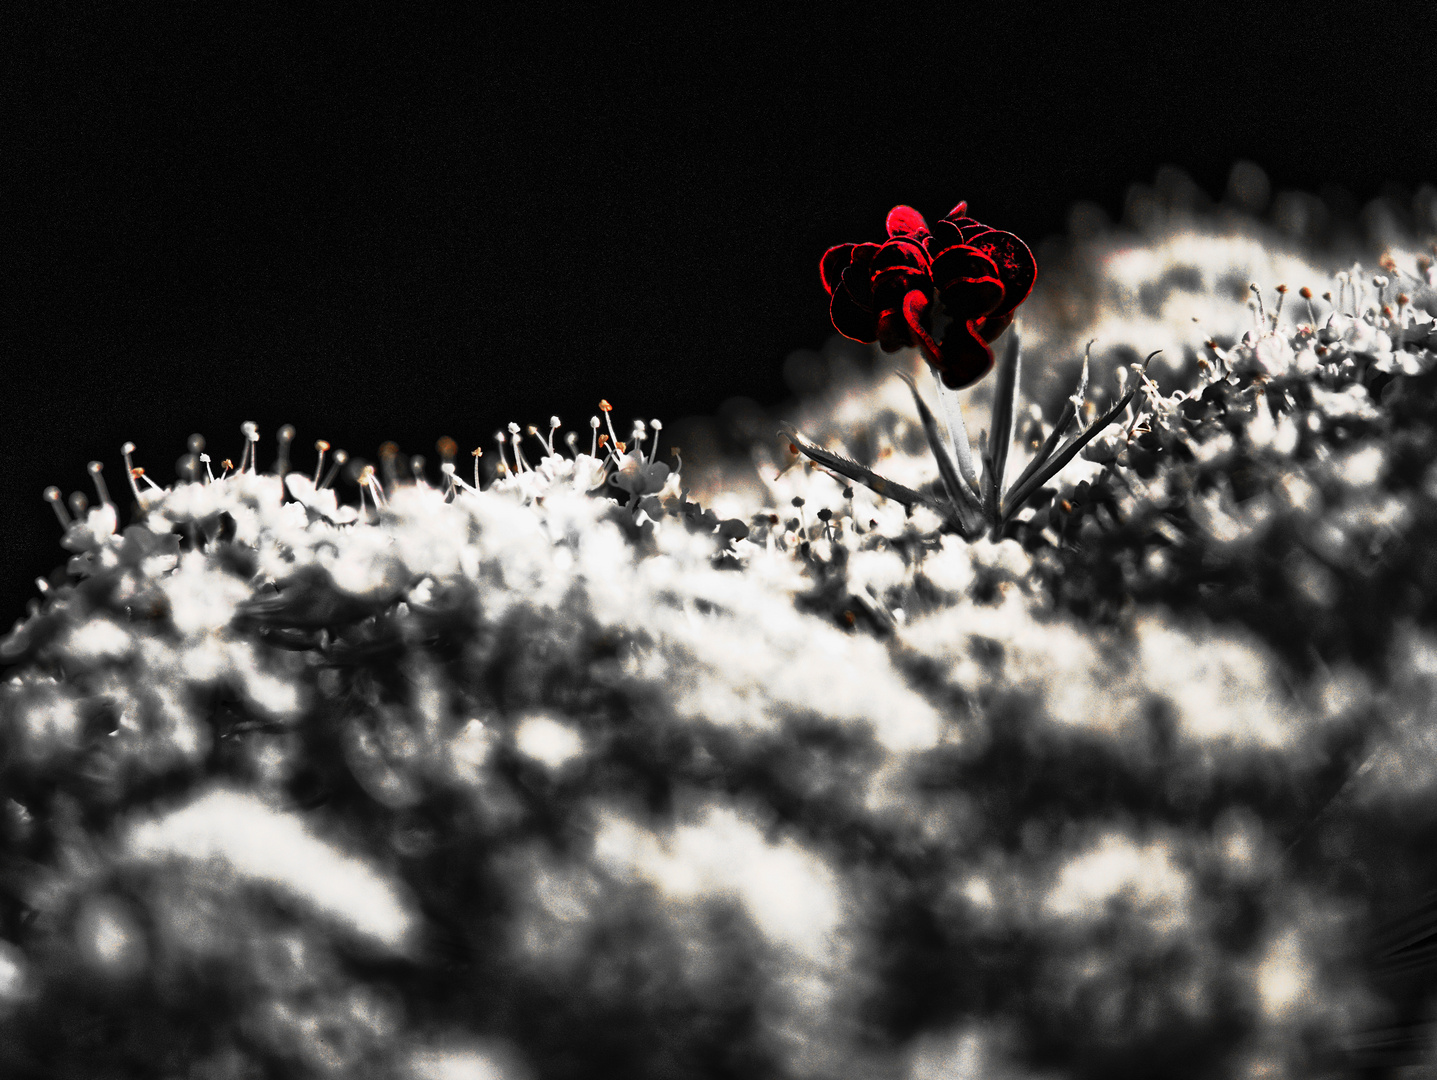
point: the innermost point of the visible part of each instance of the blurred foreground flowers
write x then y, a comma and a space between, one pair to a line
526, 782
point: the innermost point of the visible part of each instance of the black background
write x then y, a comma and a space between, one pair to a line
391, 223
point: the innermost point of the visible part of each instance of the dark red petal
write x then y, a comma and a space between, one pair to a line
968, 228
906, 221
850, 319
891, 286
900, 266
1016, 267
833, 263
902, 251
858, 277
972, 298
916, 314
961, 210
893, 331
966, 357
990, 326
962, 263
945, 235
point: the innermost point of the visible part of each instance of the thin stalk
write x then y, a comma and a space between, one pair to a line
1000, 429
967, 507
863, 475
1021, 494
949, 403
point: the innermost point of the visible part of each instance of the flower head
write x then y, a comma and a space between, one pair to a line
893, 292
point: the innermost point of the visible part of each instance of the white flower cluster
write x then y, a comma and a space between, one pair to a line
491, 782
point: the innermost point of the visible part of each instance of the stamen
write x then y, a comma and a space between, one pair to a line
286, 436
607, 409
478, 453
95, 468
210, 474
125, 451
503, 467
227, 465
388, 456
79, 505
521, 463
1306, 294
416, 466
553, 427
367, 478
658, 426
321, 445
138, 473
250, 458
447, 448
455, 482
1261, 310
340, 457
1277, 315
571, 440
52, 496
593, 444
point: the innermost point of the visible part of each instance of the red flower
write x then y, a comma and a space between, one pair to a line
891, 292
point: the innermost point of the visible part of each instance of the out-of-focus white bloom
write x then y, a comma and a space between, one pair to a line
203, 598
278, 849
790, 893
1116, 866
322, 501
547, 741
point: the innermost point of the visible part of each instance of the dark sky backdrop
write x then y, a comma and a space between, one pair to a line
398, 226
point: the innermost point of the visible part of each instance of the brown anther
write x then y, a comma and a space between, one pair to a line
621, 445
1305, 293
1321, 350
604, 406
321, 445
478, 451
446, 446
1424, 263
1387, 262
773, 519
1067, 506
1282, 289
389, 450
136, 472
1211, 344
603, 439
1403, 299
792, 449
227, 464
849, 618
1387, 311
